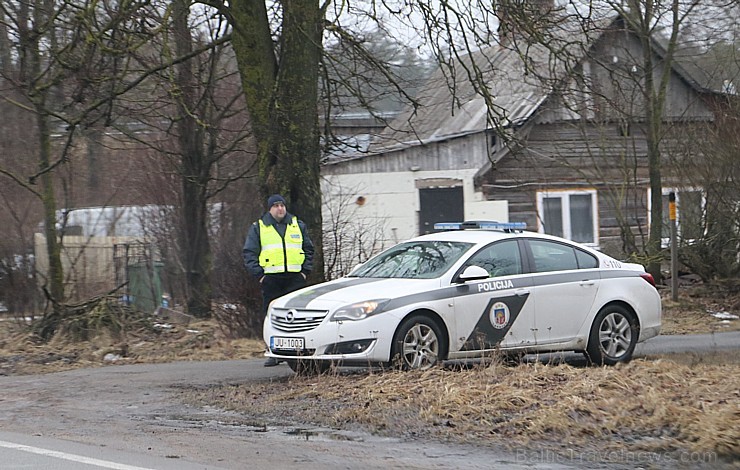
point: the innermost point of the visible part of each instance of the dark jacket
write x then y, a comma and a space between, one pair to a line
252, 246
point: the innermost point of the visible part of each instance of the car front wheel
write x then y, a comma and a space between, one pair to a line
418, 344
613, 336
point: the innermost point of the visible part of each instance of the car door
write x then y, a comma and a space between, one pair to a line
565, 282
497, 311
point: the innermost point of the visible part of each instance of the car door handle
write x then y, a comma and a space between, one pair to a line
522, 292
587, 282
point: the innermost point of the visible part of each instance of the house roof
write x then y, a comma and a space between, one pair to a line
704, 72
453, 107
518, 78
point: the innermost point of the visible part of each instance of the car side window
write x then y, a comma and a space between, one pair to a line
551, 256
586, 260
499, 259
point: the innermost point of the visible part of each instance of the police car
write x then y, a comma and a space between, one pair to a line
467, 291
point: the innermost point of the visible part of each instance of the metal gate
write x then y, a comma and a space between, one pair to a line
140, 273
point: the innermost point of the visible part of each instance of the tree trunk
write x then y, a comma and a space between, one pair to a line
55, 276
654, 116
282, 97
195, 167
655, 97
53, 249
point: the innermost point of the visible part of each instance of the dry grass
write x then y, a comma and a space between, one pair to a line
666, 406
692, 313
21, 353
649, 405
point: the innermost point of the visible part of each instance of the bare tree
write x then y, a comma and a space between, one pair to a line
72, 62
52, 69
280, 81
350, 237
282, 50
710, 240
643, 17
199, 113
281, 55
196, 128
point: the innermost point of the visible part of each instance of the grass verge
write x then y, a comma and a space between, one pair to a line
654, 405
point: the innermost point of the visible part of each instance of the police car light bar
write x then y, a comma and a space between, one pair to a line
481, 225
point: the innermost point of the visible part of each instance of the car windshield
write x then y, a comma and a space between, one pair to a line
413, 260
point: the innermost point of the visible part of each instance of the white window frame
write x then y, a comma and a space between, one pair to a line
665, 242
564, 196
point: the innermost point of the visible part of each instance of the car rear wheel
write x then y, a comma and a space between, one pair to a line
308, 366
418, 344
613, 336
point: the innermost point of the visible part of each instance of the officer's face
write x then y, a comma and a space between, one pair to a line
277, 211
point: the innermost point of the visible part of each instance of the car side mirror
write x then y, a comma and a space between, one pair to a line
473, 273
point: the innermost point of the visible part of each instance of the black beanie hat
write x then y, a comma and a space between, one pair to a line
274, 199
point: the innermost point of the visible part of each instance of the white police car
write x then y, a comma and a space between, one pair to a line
465, 292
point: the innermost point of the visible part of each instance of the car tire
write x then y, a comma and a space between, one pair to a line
418, 344
308, 366
613, 336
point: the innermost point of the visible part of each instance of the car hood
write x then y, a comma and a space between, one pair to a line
340, 292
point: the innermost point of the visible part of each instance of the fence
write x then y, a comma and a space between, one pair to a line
95, 265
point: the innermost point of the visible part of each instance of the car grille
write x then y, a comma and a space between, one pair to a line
301, 353
296, 320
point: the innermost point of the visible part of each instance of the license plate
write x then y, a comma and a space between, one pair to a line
281, 342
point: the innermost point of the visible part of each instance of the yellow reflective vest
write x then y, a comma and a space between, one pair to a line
278, 255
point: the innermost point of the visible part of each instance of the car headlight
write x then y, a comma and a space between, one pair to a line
359, 310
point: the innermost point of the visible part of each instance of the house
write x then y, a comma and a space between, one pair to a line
559, 145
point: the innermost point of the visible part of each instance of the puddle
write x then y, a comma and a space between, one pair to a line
323, 434
246, 426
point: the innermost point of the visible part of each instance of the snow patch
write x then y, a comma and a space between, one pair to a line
724, 315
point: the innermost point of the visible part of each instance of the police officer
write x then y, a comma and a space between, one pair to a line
279, 253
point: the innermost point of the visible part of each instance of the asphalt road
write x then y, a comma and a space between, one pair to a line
690, 343
704, 344
129, 418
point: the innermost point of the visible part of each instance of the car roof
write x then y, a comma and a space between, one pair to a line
472, 236
481, 236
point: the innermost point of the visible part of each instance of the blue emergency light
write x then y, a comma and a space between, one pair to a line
481, 225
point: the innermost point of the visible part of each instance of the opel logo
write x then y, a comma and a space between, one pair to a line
290, 316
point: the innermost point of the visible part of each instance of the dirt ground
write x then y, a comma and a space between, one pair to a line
683, 409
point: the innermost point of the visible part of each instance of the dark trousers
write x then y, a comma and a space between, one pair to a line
277, 285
